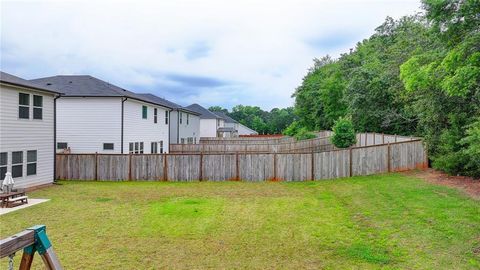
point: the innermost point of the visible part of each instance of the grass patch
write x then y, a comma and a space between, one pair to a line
378, 222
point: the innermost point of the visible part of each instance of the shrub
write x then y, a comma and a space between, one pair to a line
343, 133
304, 134
292, 129
471, 142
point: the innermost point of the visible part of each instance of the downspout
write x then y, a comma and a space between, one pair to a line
169, 129
121, 134
55, 138
178, 126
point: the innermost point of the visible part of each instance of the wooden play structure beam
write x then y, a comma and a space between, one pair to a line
31, 240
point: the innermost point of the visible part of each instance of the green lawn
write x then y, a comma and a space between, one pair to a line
378, 222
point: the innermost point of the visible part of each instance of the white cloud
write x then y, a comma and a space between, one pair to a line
260, 49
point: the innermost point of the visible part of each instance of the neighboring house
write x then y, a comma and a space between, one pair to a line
209, 122
234, 128
27, 124
184, 123
230, 128
96, 116
244, 130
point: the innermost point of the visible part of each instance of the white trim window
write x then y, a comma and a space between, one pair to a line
23, 106
17, 164
135, 148
166, 117
37, 107
108, 146
155, 115
31, 162
3, 165
188, 119
181, 117
156, 147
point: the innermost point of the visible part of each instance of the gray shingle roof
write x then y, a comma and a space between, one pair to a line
14, 80
204, 113
167, 103
88, 86
227, 118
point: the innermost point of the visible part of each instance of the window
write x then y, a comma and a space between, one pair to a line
135, 148
155, 111
107, 146
188, 118
37, 107
31, 162
166, 117
182, 141
190, 140
23, 106
181, 117
195, 140
17, 164
3, 165
161, 147
62, 145
144, 112
154, 148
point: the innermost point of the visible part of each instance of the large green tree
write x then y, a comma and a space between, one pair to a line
416, 75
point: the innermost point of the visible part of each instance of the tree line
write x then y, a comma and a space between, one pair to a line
419, 75
264, 122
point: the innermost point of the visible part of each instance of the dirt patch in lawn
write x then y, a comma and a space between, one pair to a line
466, 184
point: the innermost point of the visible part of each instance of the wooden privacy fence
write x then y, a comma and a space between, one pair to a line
311, 145
354, 161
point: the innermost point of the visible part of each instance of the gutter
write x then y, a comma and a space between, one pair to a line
55, 137
121, 132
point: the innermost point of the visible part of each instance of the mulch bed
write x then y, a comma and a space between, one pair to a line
468, 185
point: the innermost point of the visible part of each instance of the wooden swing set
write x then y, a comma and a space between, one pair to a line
31, 240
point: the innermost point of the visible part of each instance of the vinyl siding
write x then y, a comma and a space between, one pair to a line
208, 127
137, 129
27, 134
243, 130
86, 123
192, 129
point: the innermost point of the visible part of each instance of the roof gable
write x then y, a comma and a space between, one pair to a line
204, 113
14, 80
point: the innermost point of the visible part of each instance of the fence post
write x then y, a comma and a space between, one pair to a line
374, 135
395, 137
388, 158
313, 166
201, 167
275, 166
366, 138
383, 138
237, 176
96, 166
165, 167
130, 167
350, 161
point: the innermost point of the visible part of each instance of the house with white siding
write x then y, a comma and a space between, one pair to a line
244, 130
210, 123
236, 128
94, 116
27, 124
184, 123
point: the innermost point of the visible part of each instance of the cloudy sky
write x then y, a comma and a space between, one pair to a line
212, 52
